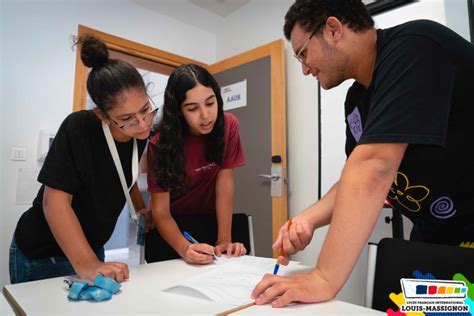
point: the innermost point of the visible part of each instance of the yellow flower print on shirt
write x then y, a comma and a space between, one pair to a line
406, 195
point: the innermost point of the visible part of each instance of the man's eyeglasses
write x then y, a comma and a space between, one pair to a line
133, 123
301, 54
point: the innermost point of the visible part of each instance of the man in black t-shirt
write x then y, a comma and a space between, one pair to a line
408, 123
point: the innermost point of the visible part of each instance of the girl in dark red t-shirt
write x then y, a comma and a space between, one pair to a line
190, 162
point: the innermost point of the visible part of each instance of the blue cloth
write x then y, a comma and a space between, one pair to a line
24, 269
102, 289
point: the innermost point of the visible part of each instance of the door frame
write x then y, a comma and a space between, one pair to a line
123, 46
276, 51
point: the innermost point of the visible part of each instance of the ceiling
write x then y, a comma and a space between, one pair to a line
220, 7
204, 14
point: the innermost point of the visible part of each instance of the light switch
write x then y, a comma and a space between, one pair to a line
18, 153
45, 140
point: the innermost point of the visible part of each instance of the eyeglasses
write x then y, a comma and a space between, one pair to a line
301, 54
133, 123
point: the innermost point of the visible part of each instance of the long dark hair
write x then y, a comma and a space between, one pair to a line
170, 167
108, 78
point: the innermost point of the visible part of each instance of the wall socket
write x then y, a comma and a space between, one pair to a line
18, 154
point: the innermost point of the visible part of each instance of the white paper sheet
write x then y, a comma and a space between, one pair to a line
231, 281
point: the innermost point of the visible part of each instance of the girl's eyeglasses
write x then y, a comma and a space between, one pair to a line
135, 122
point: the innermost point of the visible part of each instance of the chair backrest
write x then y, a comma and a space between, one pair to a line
251, 250
397, 259
204, 229
242, 231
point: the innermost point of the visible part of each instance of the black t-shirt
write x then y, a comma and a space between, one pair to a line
421, 94
79, 163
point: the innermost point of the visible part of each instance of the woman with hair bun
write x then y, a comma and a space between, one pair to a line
82, 194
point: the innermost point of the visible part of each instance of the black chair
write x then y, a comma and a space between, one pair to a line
396, 259
204, 229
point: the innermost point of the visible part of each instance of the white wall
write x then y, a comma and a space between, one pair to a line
3, 249
457, 17
38, 68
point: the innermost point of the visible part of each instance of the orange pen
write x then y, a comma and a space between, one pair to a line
281, 253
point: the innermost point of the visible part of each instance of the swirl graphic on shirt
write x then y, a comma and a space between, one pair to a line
443, 208
408, 196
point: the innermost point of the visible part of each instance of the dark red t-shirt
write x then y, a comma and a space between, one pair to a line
201, 174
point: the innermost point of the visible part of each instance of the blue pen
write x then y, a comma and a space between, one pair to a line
190, 238
194, 241
275, 269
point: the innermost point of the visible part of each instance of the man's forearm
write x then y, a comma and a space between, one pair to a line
359, 201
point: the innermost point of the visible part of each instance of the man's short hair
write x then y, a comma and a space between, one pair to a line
312, 15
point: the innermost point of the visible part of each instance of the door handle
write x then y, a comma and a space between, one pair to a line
276, 181
273, 176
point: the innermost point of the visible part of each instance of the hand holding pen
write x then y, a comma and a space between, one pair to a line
196, 252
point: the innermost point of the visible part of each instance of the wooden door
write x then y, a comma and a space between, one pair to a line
263, 135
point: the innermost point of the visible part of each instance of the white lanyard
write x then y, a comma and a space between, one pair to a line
118, 166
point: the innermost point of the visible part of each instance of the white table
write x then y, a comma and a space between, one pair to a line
142, 294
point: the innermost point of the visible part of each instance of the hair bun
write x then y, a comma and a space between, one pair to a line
94, 52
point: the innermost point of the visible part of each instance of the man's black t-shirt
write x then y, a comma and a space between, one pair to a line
421, 94
79, 163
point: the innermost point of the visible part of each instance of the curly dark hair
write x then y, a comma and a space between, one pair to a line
170, 166
108, 78
312, 15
